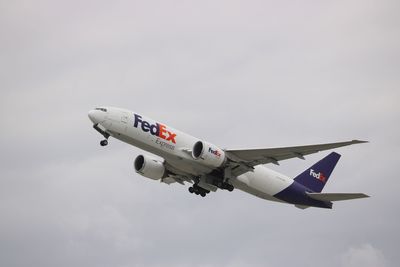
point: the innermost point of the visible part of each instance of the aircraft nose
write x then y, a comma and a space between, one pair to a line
95, 116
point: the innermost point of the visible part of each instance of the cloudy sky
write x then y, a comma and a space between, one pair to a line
239, 74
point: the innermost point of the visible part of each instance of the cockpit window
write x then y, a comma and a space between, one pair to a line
101, 109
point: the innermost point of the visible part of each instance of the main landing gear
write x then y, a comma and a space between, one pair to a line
226, 186
198, 190
203, 192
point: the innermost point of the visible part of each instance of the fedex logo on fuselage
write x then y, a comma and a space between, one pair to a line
215, 152
320, 176
157, 129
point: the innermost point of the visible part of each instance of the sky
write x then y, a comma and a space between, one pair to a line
239, 74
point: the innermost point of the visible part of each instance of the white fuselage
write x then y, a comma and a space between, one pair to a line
175, 147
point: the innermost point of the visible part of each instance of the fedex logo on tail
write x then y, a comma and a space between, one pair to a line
320, 176
157, 129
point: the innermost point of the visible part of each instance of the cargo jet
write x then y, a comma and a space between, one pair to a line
208, 168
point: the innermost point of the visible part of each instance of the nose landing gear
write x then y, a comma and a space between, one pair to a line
104, 142
103, 133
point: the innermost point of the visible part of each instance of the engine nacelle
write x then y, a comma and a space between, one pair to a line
208, 154
149, 167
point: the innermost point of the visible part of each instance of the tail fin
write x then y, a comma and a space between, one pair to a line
317, 175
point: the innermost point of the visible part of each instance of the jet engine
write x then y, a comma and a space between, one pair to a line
208, 154
149, 167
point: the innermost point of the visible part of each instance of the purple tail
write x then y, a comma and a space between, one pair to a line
317, 175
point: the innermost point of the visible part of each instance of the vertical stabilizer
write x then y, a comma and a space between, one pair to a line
317, 175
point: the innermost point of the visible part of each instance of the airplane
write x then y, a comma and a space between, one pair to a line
208, 168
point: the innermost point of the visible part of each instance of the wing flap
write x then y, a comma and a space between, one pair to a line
336, 196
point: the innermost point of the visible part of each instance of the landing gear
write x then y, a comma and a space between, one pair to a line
103, 133
198, 190
229, 187
104, 142
224, 185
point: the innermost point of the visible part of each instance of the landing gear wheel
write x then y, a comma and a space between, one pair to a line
104, 142
198, 190
230, 188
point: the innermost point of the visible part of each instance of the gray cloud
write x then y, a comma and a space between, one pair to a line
364, 255
237, 73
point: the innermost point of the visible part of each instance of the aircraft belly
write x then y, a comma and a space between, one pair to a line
245, 188
262, 182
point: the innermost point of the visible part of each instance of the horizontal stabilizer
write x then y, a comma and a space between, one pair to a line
335, 196
302, 207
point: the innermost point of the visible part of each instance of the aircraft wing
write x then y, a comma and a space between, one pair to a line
246, 159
